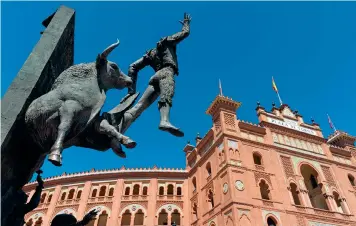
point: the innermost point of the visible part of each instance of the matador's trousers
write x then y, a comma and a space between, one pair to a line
164, 80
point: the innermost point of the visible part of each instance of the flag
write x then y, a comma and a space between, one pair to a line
274, 86
330, 123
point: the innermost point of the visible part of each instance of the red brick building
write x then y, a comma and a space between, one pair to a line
279, 172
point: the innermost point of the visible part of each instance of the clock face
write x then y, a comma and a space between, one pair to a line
239, 185
225, 188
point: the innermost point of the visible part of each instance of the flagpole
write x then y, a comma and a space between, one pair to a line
331, 123
280, 100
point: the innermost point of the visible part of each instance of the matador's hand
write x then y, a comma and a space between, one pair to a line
187, 19
39, 179
89, 216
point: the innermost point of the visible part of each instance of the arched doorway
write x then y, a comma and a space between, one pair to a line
103, 218
176, 217
163, 217
126, 218
139, 217
271, 222
312, 183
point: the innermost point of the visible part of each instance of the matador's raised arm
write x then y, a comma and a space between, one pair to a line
180, 36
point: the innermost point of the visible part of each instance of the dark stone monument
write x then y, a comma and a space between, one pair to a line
20, 157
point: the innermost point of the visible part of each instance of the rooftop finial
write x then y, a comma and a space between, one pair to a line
258, 103
220, 88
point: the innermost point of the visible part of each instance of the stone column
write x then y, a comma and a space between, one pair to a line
132, 219
115, 212
84, 200
329, 199
305, 196
152, 198
57, 191
345, 206
169, 218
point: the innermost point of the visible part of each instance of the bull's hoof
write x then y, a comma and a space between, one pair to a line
55, 159
128, 143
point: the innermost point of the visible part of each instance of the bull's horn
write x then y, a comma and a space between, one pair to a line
108, 50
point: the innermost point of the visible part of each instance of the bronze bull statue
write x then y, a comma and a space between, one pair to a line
59, 118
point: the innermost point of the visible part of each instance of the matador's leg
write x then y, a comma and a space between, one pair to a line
167, 85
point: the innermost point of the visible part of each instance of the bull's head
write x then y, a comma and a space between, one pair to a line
109, 72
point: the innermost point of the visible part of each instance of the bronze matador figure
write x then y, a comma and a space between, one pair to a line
163, 59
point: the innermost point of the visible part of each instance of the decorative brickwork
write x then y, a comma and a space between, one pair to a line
287, 166
328, 176
261, 175
229, 121
300, 220
217, 124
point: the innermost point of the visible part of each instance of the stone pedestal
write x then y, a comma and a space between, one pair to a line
20, 157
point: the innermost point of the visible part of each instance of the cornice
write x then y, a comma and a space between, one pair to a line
109, 174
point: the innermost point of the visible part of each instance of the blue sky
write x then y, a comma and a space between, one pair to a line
309, 48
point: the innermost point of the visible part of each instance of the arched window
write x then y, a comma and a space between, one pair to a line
111, 192
264, 190
163, 218
63, 197
271, 222
161, 190
170, 189
71, 194
195, 212
313, 181
340, 207
126, 218
39, 222
194, 182
136, 189
295, 194
102, 191
351, 179
211, 199
103, 218
127, 191
316, 197
49, 198
176, 217
257, 159
144, 192
43, 197
139, 216
29, 223
79, 194
93, 194
208, 169
179, 191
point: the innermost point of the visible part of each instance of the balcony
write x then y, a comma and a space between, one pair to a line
68, 202
134, 197
100, 199
170, 197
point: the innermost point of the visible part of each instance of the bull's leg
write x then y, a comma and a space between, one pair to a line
105, 128
66, 112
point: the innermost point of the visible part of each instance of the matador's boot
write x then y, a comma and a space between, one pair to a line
165, 125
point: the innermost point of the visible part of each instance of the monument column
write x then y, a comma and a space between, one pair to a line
116, 202
52, 205
84, 200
